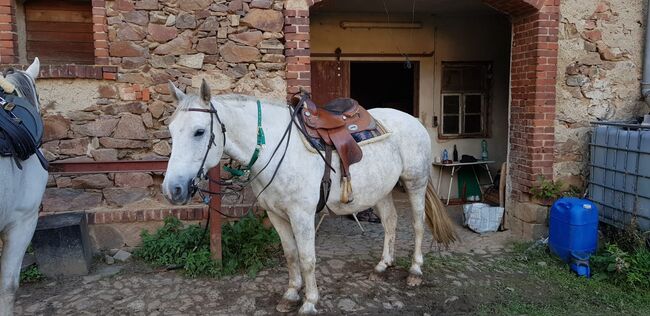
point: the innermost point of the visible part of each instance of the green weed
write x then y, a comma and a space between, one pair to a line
623, 268
31, 274
247, 246
552, 289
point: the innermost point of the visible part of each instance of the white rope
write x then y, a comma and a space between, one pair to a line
7, 86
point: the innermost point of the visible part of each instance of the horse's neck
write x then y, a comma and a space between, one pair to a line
241, 129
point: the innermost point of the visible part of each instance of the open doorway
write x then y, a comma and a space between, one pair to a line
381, 84
374, 84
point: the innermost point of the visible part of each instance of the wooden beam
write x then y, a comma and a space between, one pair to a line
372, 55
215, 217
118, 166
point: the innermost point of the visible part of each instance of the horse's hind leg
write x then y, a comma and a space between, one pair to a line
291, 298
15, 238
416, 190
386, 209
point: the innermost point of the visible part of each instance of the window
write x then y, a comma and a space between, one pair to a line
59, 31
464, 99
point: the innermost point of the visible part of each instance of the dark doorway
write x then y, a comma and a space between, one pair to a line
385, 85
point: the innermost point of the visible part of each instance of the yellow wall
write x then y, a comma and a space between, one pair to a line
457, 38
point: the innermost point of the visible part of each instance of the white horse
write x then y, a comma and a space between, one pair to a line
291, 198
21, 192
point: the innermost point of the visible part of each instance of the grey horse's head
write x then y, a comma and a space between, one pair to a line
25, 81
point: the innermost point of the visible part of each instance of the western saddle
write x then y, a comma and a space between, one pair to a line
335, 123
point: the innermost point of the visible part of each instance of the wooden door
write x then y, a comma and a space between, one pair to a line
329, 80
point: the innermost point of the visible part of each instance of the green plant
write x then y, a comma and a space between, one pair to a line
31, 274
622, 267
547, 189
247, 246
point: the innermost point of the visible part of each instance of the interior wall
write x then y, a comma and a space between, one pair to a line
449, 38
327, 34
478, 38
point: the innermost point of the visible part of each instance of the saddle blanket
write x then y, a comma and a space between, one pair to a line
364, 137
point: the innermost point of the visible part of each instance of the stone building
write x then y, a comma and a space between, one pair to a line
536, 73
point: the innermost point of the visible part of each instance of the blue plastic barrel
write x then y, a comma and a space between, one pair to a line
573, 229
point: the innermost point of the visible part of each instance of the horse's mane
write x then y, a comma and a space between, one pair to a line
24, 84
191, 100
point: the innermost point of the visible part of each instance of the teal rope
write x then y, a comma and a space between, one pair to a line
261, 140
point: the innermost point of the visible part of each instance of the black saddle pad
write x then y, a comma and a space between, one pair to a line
26, 114
21, 129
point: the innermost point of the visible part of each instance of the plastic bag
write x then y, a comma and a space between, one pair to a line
482, 218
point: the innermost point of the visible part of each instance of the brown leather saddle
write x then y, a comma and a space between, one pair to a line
334, 123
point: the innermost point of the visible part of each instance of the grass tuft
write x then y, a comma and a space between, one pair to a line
247, 247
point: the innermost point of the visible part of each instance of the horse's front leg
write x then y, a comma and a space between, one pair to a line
291, 298
304, 232
15, 238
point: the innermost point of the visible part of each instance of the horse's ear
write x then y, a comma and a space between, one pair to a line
34, 68
176, 92
205, 92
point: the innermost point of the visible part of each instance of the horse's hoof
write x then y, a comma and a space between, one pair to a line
376, 276
308, 309
287, 306
414, 280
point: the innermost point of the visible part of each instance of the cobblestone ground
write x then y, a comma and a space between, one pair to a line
346, 257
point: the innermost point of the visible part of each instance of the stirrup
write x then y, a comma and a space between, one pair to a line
346, 190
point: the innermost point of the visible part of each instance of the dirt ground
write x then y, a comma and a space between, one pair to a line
467, 278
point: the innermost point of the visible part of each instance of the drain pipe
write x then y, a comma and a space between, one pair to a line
645, 83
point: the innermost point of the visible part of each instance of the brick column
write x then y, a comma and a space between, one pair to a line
296, 34
100, 30
8, 36
533, 78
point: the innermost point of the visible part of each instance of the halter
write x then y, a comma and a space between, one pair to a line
237, 172
201, 173
238, 184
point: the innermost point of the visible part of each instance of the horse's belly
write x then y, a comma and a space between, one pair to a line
373, 177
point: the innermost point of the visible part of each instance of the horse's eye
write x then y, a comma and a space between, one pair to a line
199, 132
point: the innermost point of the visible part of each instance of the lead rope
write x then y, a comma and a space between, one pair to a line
261, 139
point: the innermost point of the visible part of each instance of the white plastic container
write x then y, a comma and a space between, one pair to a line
482, 218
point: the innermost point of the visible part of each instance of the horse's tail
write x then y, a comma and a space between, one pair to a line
437, 219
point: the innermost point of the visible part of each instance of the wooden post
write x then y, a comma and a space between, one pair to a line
215, 217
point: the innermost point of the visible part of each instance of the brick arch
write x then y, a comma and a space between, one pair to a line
533, 76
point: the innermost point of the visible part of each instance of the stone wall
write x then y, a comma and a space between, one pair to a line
600, 51
599, 72
235, 45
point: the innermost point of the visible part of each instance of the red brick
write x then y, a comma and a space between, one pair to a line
109, 76
145, 95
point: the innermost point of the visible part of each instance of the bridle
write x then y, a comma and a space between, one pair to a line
202, 173
242, 177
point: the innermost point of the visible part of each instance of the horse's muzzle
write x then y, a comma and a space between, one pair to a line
177, 193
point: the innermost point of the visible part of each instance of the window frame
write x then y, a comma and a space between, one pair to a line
83, 32
102, 69
484, 92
